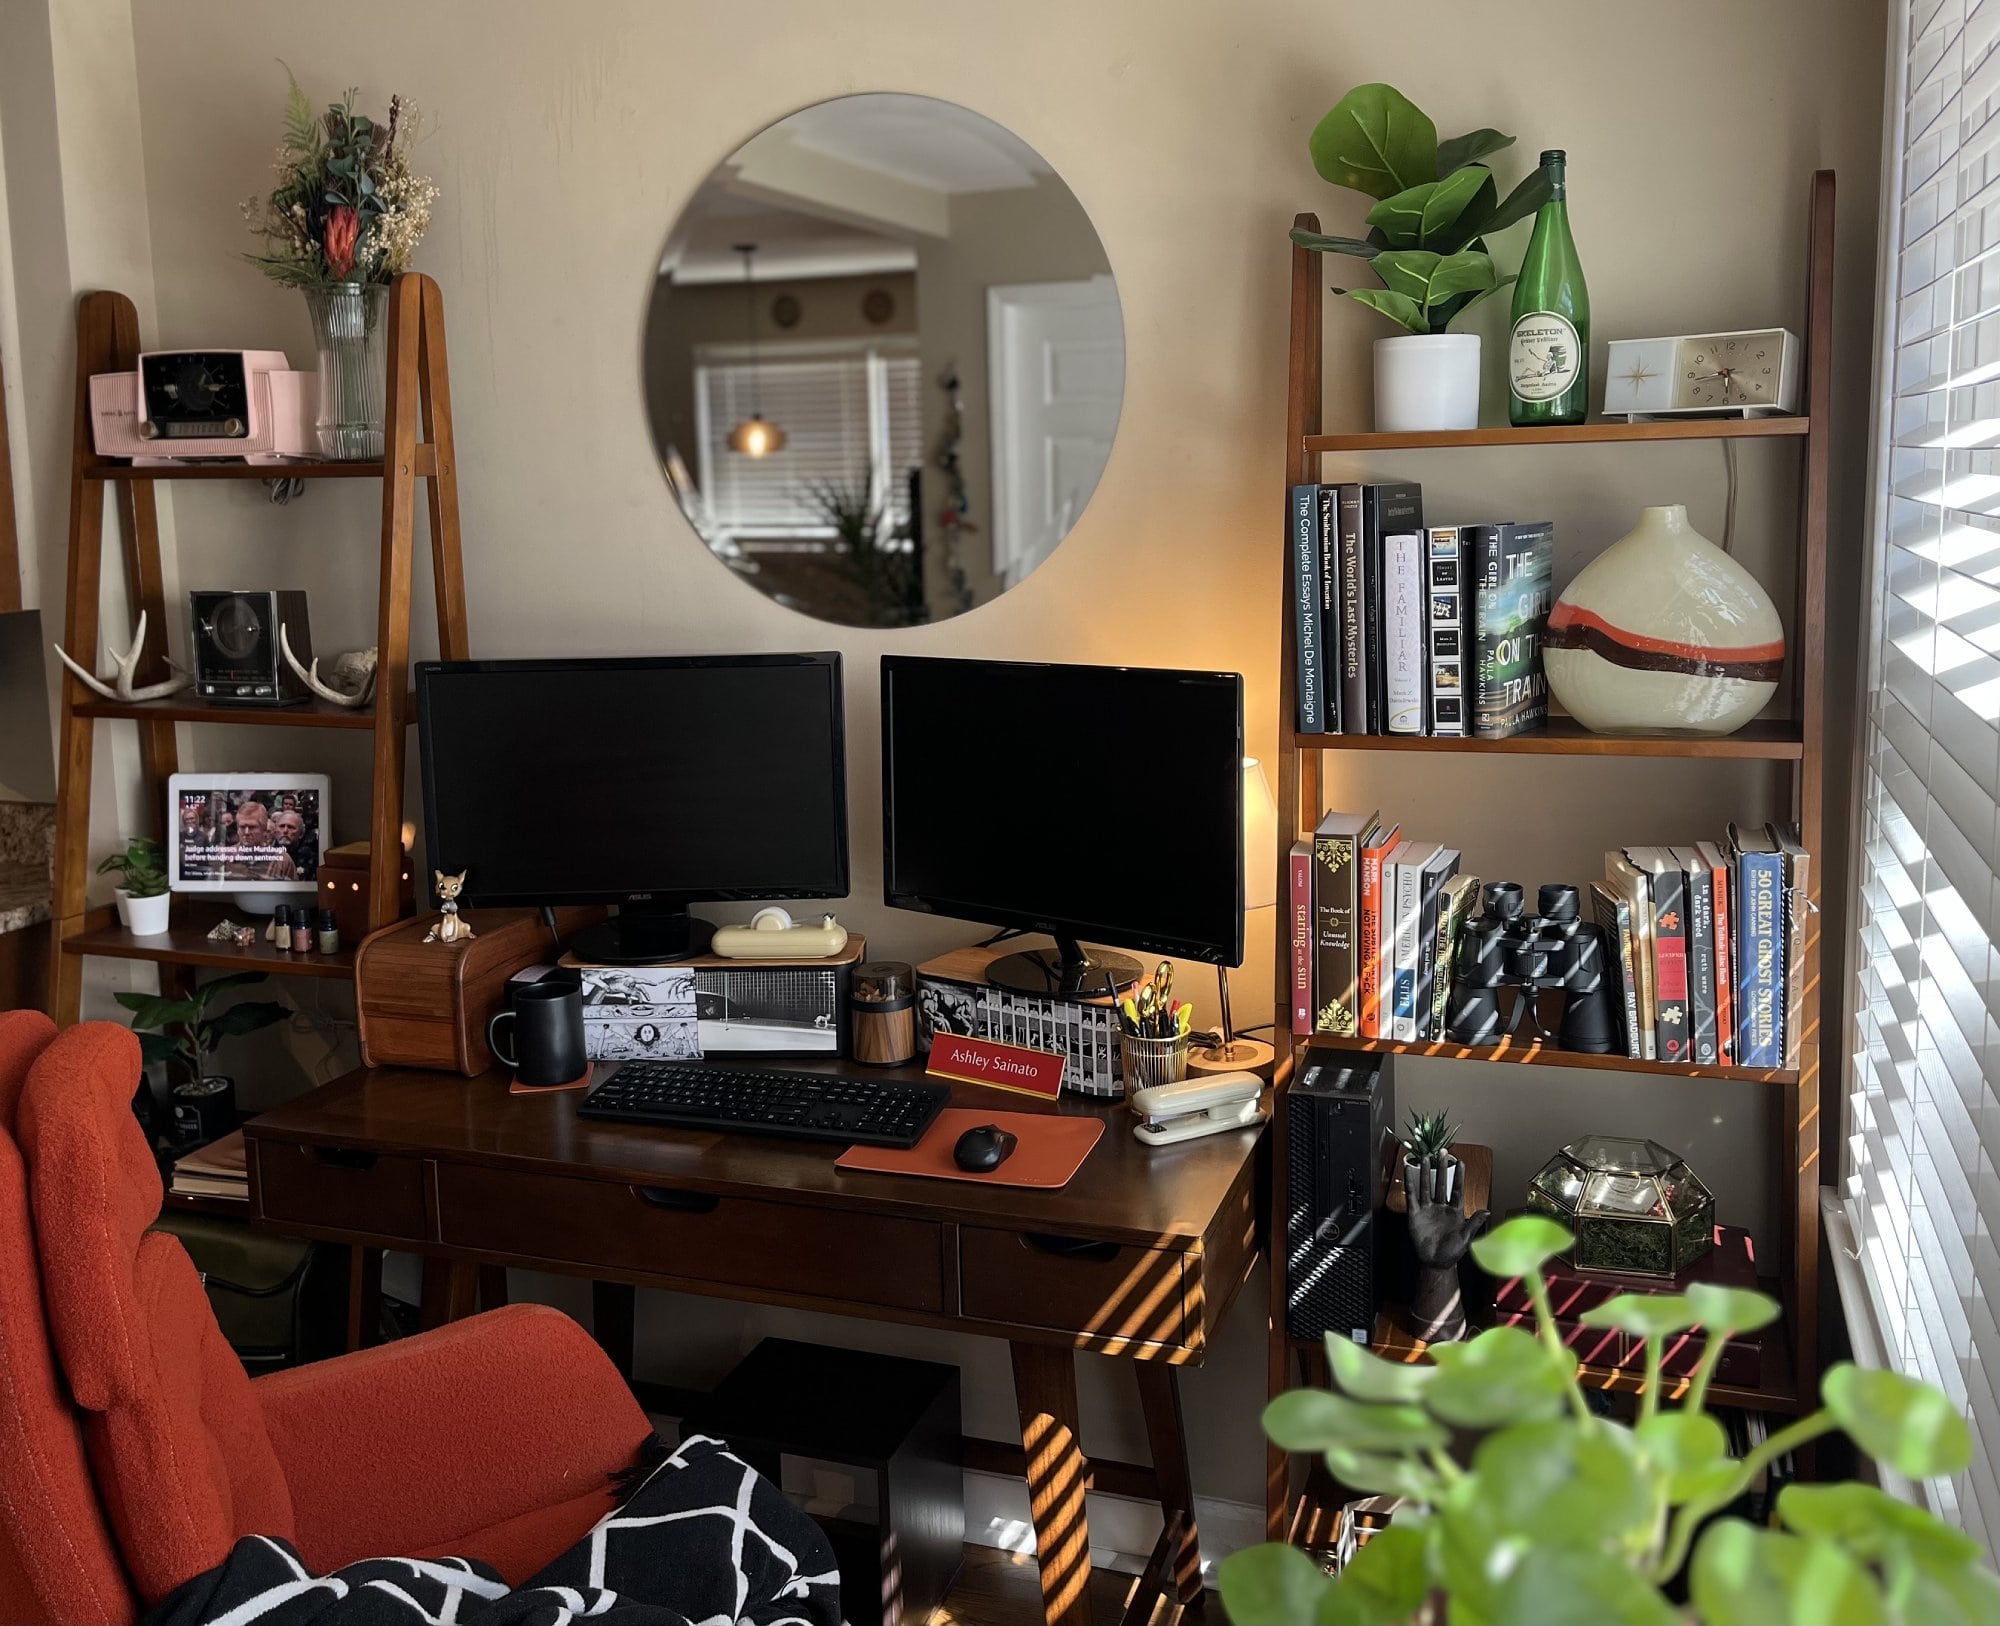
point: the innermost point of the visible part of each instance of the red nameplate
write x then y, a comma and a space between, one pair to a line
1004, 1066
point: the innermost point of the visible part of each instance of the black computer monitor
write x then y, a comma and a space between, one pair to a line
648, 783
1098, 802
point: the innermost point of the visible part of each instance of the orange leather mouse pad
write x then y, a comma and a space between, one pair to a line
1051, 1149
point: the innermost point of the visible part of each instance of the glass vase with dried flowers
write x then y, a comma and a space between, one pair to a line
345, 217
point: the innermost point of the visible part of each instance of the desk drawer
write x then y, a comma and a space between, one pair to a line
1072, 1285
376, 1193
766, 1246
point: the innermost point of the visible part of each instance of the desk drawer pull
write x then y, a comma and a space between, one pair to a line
341, 1157
1071, 1247
681, 1202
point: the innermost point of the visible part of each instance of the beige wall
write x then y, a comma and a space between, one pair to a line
567, 137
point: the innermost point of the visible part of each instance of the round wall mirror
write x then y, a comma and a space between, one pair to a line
884, 360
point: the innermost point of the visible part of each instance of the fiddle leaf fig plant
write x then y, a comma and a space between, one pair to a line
1436, 202
1525, 1506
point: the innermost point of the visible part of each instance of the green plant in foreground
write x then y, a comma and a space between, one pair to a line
142, 867
181, 1031
1436, 204
1559, 1517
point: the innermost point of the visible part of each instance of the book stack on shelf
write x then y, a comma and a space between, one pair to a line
1423, 631
217, 1171
1699, 940
1707, 947
1574, 1291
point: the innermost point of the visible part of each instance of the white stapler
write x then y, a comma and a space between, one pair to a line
1197, 1107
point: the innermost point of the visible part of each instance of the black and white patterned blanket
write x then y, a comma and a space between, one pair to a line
702, 1540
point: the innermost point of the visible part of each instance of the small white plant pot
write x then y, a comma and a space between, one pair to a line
147, 917
124, 900
1423, 1183
1426, 381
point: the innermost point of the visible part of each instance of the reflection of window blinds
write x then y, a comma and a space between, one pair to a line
847, 418
1923, 1116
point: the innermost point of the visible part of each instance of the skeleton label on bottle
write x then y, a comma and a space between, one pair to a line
1543, 357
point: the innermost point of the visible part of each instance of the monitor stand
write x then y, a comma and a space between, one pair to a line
1063, 972
643, 934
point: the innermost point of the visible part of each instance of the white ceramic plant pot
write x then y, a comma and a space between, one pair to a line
124, 901
147, 917
1663, 633
1427, 381
1424, 1183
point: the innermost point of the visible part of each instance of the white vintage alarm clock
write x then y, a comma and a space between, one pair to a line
1738, 374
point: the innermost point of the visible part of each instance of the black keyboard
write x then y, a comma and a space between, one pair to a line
741, 1100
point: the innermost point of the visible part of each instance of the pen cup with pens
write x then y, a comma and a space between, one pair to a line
1154, 1033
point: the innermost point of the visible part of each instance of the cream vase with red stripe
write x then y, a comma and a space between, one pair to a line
1664, 633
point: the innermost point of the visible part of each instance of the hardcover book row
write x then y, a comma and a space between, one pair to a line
1699, 959
1404, 629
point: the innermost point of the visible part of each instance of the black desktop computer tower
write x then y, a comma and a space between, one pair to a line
1340, 1121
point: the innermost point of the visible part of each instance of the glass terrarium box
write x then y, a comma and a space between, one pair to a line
1636, 1208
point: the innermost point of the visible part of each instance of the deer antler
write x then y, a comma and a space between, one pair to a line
310, 679
127, 663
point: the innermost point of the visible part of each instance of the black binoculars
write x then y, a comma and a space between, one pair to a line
1549, 953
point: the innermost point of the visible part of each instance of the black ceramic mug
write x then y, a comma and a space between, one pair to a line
547, 1022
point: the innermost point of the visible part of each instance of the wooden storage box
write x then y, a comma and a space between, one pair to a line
427, 1004
343, 888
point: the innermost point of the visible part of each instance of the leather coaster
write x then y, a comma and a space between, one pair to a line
518, 1088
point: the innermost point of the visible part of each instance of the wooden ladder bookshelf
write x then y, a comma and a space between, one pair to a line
1297, 1509
417, 436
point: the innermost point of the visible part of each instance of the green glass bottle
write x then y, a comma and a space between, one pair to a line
1548, 353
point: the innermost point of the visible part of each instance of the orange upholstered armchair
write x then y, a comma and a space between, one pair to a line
497, 1438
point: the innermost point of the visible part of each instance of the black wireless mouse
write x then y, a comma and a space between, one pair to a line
982, 1150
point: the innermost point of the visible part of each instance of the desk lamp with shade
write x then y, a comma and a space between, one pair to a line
1232, 1053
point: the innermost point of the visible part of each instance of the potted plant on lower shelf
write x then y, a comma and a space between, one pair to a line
144, 900
1561, 1517
1436, 203
183, 1034
1431, 1170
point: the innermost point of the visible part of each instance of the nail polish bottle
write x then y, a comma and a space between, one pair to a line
302, 931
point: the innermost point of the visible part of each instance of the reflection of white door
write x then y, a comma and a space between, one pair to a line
1055, 356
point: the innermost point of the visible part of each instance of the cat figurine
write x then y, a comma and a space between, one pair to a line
450, 927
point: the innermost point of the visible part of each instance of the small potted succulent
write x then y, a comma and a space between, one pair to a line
143, 901
1436, 203
1431, 1170
183, 1034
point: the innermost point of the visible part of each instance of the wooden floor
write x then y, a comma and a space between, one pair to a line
1004, 1589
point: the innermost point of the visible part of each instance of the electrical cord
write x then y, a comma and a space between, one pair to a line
1729, 497
1001, 937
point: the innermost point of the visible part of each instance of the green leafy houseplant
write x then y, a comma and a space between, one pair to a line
1436, 203
142, 867
1559, 1517
183, 1033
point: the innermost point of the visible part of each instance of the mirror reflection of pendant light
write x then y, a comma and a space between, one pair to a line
756, 435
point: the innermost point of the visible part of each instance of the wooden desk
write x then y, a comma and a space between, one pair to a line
1139, 1255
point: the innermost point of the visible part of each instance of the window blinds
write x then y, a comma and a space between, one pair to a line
1922, 1114
848, 416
